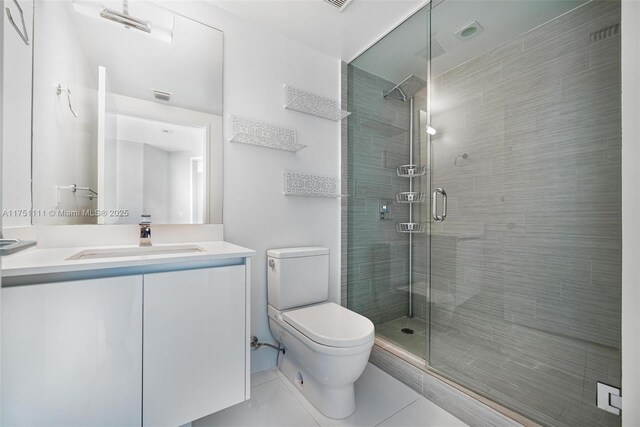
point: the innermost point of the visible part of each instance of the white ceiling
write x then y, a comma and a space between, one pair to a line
189, 66
346, 34
318, 24
165, 136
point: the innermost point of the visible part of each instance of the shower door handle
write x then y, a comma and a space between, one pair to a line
434, 205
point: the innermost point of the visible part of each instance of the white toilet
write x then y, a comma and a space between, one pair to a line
327, 346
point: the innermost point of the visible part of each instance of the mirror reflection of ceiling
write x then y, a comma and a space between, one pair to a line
182, 59
404, 51
165, 136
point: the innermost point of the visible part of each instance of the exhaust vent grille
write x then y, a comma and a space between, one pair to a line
161, 95
604, 33
340, 4
433, 50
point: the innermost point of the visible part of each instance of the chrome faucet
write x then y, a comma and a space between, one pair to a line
145, 230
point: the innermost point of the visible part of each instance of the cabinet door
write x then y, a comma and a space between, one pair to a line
194, 344
72, 353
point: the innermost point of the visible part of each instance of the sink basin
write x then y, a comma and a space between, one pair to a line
11, 246
139, 251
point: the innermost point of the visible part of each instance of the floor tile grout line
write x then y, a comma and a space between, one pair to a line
290, 387
400, 410
264, 382
295, 398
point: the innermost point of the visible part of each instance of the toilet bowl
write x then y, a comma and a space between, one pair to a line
326, 345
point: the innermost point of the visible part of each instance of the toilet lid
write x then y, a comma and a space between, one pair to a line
332, 325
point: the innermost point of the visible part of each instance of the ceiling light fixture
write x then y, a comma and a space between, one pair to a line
160, 26
125, 19
470, 30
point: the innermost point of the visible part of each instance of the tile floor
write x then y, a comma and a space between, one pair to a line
381, 401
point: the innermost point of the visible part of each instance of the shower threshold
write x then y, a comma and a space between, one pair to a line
405, 356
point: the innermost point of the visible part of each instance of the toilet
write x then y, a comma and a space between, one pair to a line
326, 345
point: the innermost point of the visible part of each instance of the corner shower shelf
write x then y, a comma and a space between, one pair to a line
263, 134
307, 185
410, 171
310, 103
410, 197
411, 227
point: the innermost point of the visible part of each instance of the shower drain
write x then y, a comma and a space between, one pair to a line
407, 331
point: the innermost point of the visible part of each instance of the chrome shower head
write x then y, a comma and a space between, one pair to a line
406, 89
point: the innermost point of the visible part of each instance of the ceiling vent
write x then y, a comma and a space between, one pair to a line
469, 31
433, 50
161, 95
340, 4
605, 33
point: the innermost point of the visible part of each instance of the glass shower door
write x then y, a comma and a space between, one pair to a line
524, 275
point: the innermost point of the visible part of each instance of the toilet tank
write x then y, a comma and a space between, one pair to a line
297, 276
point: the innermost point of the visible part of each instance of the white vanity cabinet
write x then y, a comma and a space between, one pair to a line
194, 344
160, 345
72, 353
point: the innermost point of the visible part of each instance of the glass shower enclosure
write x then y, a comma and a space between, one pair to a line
483, 218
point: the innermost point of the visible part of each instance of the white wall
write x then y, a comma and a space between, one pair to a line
59, 138
129, 180
155, 184
257, 62
179, 177
108, 185
16, 129
630, 213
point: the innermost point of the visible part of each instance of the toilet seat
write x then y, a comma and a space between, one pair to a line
331, 325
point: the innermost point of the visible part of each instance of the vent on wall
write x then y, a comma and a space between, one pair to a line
340, 4
604, 33
161, 95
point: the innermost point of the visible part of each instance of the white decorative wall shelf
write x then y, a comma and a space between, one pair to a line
302, 184
310, 103
263, 134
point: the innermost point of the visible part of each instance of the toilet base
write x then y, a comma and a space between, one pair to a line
332, 403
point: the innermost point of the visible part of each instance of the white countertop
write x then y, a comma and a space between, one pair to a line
54, 260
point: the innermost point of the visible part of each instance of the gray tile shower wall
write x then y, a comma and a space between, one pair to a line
378, 142
525, 273
534, 234
344, 185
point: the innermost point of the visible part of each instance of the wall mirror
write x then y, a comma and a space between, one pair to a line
127, 115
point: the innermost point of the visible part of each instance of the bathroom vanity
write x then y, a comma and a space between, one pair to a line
105, 130
116, 337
